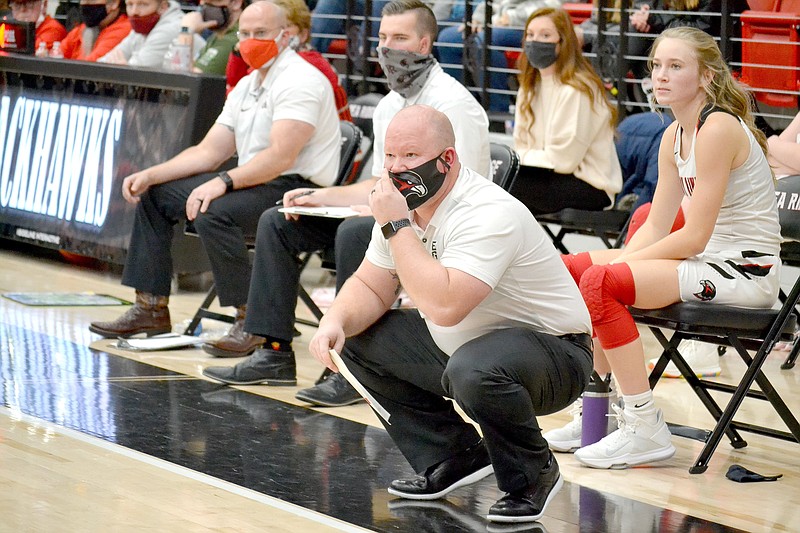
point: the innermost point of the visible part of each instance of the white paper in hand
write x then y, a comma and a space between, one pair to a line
339, 362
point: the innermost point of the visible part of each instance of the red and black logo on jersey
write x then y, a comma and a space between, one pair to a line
708, 292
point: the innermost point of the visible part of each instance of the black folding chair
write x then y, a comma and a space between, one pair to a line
609, 226
351, 140
505, 164
743, 329
790, 254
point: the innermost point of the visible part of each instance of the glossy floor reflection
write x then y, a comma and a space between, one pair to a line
318, 461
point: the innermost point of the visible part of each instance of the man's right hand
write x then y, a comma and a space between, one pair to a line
328, 336
194, 21
639, 19
305, 196
134, 186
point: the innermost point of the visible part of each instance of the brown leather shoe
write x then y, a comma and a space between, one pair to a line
237, 343
149, 315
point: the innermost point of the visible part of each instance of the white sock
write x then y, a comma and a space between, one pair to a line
642, 405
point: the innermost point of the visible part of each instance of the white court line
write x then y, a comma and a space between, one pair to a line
296, 510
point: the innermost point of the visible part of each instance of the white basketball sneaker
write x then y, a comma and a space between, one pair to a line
568, 438
702, 357
635, 442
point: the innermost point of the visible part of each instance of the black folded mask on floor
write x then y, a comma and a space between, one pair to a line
740, 474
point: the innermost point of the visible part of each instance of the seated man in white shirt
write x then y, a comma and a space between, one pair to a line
407, 32
281, 121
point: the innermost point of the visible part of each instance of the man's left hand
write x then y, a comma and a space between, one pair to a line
202, 196
386, 201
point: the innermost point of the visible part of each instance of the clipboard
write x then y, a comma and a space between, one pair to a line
327, 212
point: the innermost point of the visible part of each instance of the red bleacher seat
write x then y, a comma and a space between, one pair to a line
770, 37
579, 11
338, 46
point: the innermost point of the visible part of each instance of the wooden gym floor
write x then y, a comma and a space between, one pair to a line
95, 439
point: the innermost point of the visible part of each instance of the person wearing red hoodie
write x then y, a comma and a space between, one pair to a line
48, 30
104, 25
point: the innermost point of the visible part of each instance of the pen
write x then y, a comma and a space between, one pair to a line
279, 202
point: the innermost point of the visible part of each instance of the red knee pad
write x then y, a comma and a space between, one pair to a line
607, 290
640, 215
577, 264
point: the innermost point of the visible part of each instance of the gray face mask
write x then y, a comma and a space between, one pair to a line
406, 72
540, 55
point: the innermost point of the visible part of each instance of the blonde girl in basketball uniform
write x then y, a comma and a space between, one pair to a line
726, 253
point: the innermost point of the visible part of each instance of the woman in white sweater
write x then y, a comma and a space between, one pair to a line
564, 124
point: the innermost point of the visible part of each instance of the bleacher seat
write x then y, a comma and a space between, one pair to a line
770, 38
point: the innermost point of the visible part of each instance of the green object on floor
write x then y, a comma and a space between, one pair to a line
64, 298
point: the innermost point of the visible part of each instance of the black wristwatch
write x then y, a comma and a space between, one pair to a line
227, 180
390, 228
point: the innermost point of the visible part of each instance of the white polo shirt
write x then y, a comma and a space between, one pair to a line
443, 93
292, 89
485, 232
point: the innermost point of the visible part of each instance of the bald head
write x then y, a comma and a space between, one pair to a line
432, 127
262, 14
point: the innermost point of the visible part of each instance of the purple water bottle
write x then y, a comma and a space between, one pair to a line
596, 403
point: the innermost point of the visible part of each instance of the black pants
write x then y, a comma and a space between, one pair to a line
502, 380
222, 229
544, 191
276, 273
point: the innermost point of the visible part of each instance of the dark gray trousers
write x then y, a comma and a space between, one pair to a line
276, 273
502, 380
222, 230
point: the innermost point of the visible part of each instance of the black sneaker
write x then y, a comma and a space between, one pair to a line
335, 391
467, 467
529, 504
265, 366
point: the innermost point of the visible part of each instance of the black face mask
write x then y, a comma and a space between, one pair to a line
216, 14
419, 184
92, 14
540, 55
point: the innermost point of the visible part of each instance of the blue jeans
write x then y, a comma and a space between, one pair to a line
452, 55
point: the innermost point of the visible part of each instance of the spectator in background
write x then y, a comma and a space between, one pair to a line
607, 50
222, 18
564, 124
104, 25
155, 25
299, 27
784, 150
48, 30
638, 139
328, 18
646, 21
508, 20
